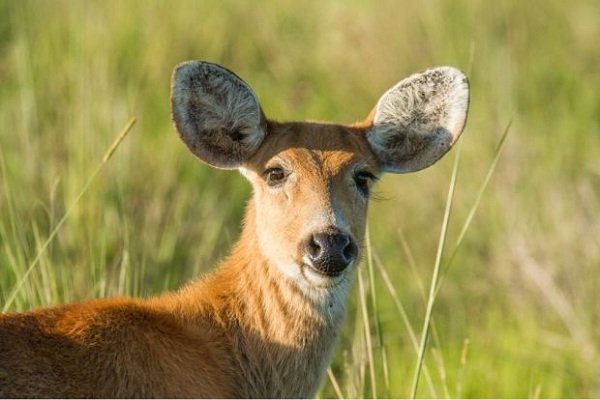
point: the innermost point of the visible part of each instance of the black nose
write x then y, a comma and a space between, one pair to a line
331, 253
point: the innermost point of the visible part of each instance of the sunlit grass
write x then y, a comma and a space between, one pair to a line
51, 281
515, 309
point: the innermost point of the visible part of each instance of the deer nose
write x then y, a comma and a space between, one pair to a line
331, 253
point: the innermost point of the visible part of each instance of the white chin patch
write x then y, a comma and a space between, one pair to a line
319, 280
307, 278
329, 293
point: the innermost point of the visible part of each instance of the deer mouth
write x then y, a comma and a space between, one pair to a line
319, 278
326, 272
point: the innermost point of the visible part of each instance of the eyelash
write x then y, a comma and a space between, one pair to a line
362, 178
275, 176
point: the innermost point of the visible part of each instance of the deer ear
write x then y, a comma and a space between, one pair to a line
216, 113
417, 121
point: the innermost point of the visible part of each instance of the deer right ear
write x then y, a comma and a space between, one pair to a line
216, 113
417, 121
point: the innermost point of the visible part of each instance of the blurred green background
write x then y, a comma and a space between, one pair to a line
518, 311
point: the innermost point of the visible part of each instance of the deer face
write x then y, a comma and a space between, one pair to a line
312, 184
312, 181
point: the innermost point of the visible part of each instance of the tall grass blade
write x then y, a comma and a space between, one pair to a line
367, 330
412, 264
378, 330
404, 315
461, 370
478, 198
334, 383
435, 277
60, 223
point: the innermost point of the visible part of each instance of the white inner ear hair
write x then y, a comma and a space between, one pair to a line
421, 104
213, 105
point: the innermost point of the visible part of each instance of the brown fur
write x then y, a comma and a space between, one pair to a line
242, 331
263, 324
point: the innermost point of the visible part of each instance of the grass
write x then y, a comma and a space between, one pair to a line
52, 234
435, 278
516, 309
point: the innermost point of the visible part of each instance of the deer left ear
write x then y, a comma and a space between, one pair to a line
216, 113
417, 121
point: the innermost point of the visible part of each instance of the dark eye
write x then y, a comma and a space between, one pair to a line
275, 176
362, 180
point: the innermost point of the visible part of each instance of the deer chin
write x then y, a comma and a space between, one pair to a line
312, 282
318, 279
328, 293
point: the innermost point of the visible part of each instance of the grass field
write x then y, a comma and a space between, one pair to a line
517, 311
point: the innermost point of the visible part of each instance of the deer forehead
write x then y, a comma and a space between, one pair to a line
314, 149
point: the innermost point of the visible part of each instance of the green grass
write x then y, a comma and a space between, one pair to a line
516, 310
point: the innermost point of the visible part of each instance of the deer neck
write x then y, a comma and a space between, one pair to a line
283, 335
289, 305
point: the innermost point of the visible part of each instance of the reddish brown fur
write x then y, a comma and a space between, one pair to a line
241, 331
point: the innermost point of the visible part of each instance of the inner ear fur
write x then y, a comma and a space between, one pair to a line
418, 120
216, 114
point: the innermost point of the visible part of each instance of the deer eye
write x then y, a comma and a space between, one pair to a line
275, 176
363, 180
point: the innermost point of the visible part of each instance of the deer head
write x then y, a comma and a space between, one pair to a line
311, 180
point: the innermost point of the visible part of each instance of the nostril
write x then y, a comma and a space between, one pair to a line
350, 251
331, 253
314, 249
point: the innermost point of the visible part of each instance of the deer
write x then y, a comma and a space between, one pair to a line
264, 323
